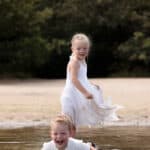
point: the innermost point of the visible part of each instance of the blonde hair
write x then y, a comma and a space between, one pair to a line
82, 37
65, 120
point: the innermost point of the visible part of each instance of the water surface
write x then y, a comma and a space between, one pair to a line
106, 138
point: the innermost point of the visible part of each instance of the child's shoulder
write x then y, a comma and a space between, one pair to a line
48, 146
75, 140
78, 144
74, 61
74, 64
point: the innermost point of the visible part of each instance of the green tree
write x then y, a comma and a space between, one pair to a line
107, 22
22, 47
35, 35
134, 53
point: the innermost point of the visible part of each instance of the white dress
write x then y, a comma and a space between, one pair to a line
73, 144
85, 112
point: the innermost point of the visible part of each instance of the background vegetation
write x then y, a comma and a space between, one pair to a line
35, 36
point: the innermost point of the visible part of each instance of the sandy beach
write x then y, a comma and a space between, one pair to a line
29, 102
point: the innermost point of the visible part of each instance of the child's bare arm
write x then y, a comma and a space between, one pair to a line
73, 68
92, 148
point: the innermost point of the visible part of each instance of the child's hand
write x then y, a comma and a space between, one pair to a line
89, 96
97, 87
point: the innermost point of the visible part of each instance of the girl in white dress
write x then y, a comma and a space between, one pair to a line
81, 100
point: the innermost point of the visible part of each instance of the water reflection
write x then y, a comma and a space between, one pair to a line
23, 139
107, 138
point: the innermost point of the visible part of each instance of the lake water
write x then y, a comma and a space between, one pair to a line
106, 138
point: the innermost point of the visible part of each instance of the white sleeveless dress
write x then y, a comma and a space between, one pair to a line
85, 112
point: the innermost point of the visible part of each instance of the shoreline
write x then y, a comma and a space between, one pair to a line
25, 124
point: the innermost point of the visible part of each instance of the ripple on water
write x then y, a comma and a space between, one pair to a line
106, 138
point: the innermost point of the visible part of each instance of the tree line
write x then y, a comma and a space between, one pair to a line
35, 37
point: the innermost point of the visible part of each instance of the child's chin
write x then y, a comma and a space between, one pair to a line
60, 146
82, 57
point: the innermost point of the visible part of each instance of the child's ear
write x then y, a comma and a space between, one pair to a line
50, 133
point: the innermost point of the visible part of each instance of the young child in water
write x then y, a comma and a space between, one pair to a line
61, 131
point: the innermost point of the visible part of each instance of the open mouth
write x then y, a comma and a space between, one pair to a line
59, 142
82, 55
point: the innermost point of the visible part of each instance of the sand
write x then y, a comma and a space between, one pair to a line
36, 101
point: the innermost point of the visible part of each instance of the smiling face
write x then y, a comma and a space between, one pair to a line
60, 134
80, 49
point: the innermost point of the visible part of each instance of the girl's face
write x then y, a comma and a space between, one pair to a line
80, 49
60, 134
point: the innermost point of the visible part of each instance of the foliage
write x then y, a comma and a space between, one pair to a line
22, 47
35, 36
134, 53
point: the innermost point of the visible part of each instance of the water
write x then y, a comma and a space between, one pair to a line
106, 138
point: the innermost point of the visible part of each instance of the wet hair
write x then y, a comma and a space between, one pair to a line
81, 37
65, 120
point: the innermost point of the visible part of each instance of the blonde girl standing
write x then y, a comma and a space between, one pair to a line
80, 99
